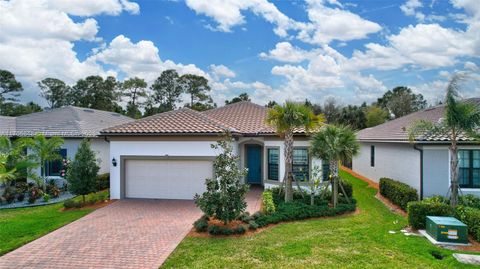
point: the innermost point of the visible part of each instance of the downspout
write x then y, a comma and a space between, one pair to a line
421, 169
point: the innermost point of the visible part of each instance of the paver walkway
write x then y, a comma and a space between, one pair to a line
131, 233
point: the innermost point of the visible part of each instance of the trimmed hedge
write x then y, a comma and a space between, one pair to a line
298, 211
418, 212
471, 217
397, 192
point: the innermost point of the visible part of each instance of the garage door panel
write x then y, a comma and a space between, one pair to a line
166, 179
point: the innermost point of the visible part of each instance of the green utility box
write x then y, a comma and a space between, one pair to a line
447, 229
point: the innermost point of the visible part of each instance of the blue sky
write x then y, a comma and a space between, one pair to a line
273, 50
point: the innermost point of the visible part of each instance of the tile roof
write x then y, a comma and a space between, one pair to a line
397, 129
183, 120
68, 121
241, 118
245, 117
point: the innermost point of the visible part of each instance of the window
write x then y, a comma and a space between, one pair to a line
300, 164
325, 170
372, 156
469, 168
54, 168
273, 159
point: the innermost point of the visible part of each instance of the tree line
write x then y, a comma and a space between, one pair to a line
169, 89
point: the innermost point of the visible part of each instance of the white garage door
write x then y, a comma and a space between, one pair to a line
166, 179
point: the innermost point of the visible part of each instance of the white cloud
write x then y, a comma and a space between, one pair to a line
139, 59
219, 71
285, 52
93, 7
228, 13
426, 46
327, 24
410, 8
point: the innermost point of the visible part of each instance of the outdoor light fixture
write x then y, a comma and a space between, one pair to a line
114, 162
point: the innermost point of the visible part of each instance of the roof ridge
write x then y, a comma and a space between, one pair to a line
234, 104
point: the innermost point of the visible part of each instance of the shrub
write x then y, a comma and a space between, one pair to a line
471, 217
34, 193
223, 230
245, 217
397, 192
9, 194
68, 203
418, 212
46, 197
252, 225
267, 202
53, 190
22, 187
20, 197
201, 225
348, 188
240, 229
436, 199
469, 200
297, 210
103, 181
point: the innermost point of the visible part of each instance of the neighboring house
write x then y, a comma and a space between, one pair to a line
72, 124
386, 152
169, 155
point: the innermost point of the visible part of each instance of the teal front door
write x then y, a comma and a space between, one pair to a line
254, 164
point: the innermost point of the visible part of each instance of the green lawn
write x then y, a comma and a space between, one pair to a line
355, 241
22, 225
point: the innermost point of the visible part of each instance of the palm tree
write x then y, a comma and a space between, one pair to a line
45, 150
460, 118
334, 143
285, 119
13, 160
6, 174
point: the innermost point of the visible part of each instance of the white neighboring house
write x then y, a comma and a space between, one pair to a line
73, 124
386, 152
169, 155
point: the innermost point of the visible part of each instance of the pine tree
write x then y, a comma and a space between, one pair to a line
83, 171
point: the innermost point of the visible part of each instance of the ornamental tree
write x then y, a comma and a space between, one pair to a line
224, 198
83, 170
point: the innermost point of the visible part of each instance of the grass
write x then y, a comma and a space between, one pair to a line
355, 241
23, 225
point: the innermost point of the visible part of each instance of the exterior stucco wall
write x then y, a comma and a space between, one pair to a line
153, 148
435, 171
193, 148
399, 161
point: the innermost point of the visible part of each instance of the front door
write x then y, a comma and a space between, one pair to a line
254, 164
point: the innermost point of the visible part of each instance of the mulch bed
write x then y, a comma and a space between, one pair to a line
393, 207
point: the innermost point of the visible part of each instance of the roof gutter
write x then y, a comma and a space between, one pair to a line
421, 169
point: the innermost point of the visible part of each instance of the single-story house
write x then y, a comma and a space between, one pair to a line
71, 123
424, 164
169, 155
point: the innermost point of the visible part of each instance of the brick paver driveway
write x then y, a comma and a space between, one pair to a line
125, 234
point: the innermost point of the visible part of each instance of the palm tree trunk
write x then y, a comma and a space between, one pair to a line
454, 172
334, 172
288, 152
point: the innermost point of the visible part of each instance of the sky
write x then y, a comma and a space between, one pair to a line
273, 50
